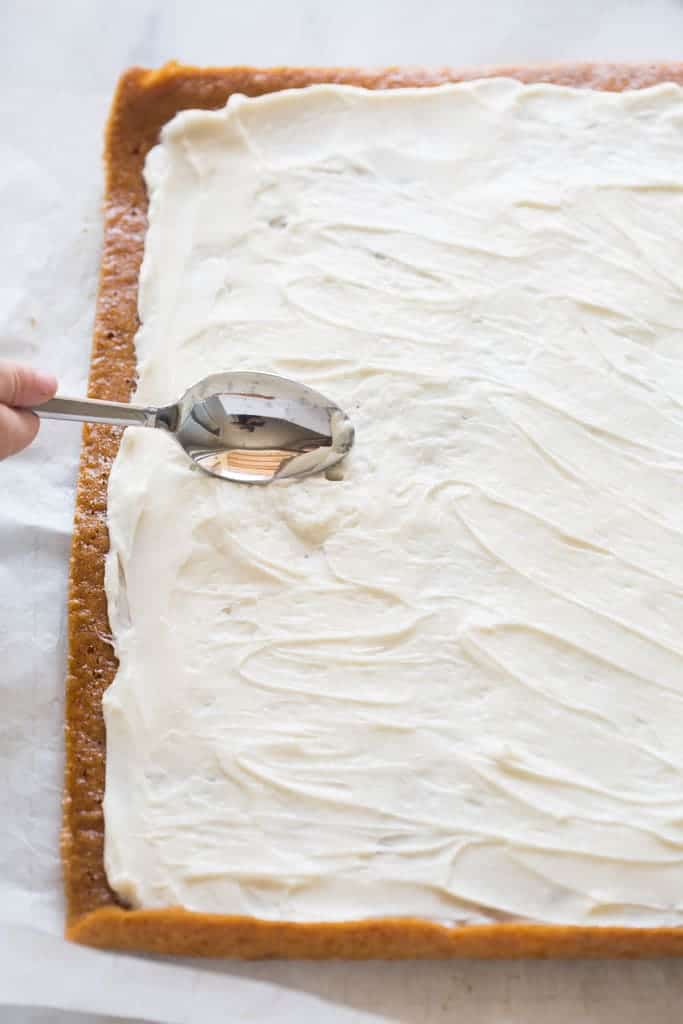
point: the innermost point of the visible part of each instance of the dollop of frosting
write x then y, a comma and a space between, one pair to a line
450, 683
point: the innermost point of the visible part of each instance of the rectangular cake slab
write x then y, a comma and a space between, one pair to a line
144, 102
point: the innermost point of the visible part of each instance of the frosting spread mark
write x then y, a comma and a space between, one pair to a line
451, 685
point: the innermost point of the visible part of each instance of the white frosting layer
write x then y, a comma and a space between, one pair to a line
451, 684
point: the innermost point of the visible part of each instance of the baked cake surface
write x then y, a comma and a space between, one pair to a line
176, 930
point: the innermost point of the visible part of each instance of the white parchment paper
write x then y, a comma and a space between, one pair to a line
58, 65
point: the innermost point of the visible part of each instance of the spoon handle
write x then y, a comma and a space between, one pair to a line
92, 410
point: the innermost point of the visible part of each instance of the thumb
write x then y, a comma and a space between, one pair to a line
21, 385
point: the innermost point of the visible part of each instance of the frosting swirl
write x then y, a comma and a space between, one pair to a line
449, 684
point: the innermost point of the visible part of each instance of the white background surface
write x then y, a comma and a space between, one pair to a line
58, 65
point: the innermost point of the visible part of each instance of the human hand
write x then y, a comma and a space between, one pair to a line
21, 386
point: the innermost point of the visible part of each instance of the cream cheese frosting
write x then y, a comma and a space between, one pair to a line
450, 683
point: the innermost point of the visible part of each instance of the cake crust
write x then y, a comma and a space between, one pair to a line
143, 103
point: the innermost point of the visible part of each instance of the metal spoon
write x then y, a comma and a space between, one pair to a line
247, 427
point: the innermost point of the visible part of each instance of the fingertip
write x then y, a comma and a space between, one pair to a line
22, 385
46, 384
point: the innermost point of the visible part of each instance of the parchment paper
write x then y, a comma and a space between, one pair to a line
50, 186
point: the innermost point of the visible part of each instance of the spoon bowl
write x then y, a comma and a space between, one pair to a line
244, 426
